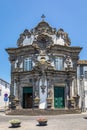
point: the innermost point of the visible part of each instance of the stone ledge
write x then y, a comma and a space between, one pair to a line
36, 112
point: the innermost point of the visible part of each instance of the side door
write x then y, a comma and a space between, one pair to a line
59, 97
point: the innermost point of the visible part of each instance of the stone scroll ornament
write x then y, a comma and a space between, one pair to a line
43, 88
68, 62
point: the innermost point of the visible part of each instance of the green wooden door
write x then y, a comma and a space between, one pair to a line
27, 97
59, 97
27, 90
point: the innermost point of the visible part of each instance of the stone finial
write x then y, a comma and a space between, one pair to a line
43, 17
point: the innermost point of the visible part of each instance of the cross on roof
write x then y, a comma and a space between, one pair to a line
43, 17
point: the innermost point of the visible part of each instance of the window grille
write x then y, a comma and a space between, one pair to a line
59, 63
27, 64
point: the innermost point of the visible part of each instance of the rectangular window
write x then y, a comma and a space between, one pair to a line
81, 71
85, 74
59, 63
27, 64
5, 85
0, 81
0, 92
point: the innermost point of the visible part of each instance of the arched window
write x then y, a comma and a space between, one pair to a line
59, 64
27, 64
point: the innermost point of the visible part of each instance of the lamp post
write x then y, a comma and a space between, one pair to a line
82, 94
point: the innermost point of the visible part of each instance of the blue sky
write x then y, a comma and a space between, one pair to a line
17, 15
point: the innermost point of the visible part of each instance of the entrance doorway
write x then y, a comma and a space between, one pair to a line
59, 97
27, 97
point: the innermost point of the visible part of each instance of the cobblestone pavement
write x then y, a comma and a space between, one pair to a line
59, 122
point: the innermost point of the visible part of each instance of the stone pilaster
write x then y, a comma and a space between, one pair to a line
66, 96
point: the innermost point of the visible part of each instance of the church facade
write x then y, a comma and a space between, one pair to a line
44, 68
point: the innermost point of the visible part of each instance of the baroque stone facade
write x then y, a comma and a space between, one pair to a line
43, 68
82, 84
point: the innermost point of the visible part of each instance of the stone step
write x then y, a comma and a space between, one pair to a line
36, 112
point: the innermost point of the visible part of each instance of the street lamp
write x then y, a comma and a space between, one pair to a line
82, 94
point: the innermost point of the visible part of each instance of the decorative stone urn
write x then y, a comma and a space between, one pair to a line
49, 102
15, 122
42, 121
36, 102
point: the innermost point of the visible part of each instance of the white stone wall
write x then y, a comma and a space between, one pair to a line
79, 85
3, 90
85, 86
82, 84
28, 41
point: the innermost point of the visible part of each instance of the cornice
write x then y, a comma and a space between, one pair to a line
82, 62
16, 50
65, 48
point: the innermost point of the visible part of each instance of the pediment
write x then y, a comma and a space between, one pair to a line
43, 27
44, 35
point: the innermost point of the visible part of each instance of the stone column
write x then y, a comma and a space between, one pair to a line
36, 96
68, 93
15, 91
70, 89
75, 88
50, 91
66, 96
52, 94
37, 87
18, 93
15, 88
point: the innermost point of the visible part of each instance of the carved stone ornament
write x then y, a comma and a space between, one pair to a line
44, 36
43, 88
44, 27
43, 62
68, 62
64, 36
44, 41
22, 37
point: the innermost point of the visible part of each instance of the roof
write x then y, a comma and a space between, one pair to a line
82, 62
4, 81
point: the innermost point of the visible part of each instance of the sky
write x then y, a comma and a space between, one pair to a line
18, 15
